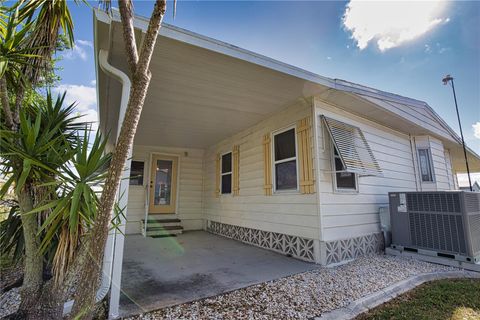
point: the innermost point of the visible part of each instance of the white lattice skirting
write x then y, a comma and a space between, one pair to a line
342, 250
300, 248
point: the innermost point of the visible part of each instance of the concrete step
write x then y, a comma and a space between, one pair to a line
162, 216
164, 231
161, 230
155, 222
164, 236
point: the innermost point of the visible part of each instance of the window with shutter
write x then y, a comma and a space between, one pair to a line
285, 160
305, 160
217, 175
236, 170
267, 164
226, 173
354, 153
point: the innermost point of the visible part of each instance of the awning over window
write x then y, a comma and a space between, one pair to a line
354, 151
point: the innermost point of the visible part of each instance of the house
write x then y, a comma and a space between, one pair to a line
475, 187
254, 149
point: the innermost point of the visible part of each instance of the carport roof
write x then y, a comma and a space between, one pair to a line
209, 90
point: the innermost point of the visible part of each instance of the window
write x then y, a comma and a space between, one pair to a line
352, 146
136, 173
227, 173
285, 160
425, 163
343, 180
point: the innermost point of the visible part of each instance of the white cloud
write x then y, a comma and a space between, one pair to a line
329, 58
442, 50
80, 50
85, 99
391, 23
85, 43
476, 129
428, 49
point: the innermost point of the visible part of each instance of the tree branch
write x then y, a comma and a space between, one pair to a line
151, 35
126, 14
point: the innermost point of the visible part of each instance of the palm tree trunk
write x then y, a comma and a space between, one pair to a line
33, 273
90, 271
5, 103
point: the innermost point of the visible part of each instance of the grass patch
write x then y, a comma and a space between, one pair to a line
442, 299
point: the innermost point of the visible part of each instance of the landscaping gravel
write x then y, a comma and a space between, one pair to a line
304, 295
9, 302
301, 296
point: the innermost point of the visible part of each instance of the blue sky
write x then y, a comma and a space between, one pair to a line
397, 47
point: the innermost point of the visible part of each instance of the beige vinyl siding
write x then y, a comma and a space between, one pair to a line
351, 214
442, 168
190, 186
415, 114
439, 164
286, 212
449, 171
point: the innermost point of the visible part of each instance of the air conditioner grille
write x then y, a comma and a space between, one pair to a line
472, 202
474, 221
434, 202
437, 231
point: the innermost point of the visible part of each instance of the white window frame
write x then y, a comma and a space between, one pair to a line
274, 163
334, 174
430, 163
226, 173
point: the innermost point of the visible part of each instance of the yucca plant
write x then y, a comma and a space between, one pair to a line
73, 210
11, 234
55, 157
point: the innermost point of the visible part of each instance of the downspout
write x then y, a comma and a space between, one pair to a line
108, 258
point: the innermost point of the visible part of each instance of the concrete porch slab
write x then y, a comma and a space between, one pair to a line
167, 271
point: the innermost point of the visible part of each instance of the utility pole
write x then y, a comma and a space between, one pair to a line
448, 78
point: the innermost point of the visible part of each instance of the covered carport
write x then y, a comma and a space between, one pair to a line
202, 91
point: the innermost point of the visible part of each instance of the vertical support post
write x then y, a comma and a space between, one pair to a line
122, 196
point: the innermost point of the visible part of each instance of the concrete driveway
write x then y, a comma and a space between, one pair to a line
160, 272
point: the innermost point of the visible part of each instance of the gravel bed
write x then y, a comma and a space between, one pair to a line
9, 302
304, 295
11, 277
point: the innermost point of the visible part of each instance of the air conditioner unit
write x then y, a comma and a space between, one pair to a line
443, 223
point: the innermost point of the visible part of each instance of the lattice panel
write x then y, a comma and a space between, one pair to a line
348, 249
298, 247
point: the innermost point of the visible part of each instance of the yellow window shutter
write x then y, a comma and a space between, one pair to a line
236, 170
267, 164
217, 175
305, 161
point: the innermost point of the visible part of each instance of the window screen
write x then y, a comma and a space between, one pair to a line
285, 160
344, 180
136, 173
227, 173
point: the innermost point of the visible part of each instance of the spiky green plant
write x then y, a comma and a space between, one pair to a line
53, 152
